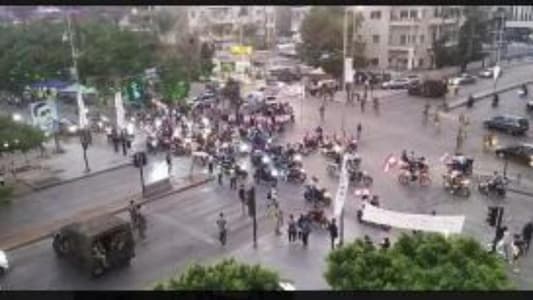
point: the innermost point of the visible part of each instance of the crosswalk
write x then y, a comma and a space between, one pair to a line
195, 213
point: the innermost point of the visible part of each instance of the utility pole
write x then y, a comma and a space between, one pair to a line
344, 44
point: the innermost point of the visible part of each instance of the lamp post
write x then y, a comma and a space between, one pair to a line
344, 44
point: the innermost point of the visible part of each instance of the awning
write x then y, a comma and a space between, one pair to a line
53, 83
74, 88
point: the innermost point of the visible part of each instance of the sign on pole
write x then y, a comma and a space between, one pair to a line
348, 70
82, 111
496, 72
342, 190
119, 107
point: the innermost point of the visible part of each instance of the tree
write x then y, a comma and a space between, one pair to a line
322, 39
32, 52
472, 34
443, 54
207, 51
417, 262
227, 275
19, 137
174, 82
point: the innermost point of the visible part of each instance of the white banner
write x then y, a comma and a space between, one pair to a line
119, 107
342, 190
348, 70
442, 224
82, 111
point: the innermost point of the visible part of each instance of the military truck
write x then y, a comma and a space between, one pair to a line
96, 245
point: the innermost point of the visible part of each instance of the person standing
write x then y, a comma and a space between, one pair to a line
242, 198
233, 180
306, 230
527, 232
359, 130
168, 158
211, 165
279, 220
333, 233
291, 230
141, 223
132, 210
322, 111
221, 223
220, 174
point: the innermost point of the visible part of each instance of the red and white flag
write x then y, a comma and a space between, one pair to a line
445, 158
390, 162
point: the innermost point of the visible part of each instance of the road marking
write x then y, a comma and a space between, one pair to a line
197, 234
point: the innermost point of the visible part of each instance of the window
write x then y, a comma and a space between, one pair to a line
374, 61
375, 14
413, 14
402, 39
422, 39
375, 39
413, 39
420, 62
404, 14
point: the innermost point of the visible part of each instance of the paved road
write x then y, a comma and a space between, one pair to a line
181, 228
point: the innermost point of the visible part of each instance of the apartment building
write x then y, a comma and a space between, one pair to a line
401, 37
223, 23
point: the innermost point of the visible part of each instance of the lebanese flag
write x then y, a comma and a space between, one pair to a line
445, 158
390, 162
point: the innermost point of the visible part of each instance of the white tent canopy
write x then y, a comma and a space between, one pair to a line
73, 88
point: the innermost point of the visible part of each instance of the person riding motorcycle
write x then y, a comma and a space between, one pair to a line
456, 179
496, 181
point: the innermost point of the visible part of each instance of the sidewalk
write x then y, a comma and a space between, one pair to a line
68, 166
10, 240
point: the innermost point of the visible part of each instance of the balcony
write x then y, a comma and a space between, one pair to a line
398, 21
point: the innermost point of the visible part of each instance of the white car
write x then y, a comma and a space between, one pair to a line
488, 73
462, 79
4, 265
401, 83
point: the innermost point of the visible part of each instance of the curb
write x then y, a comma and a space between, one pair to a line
480, 96
73, 179
50, 229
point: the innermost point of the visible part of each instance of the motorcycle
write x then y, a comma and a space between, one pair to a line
461, 188
361, 177
317, 196
318, 218
264, 175
487, 188
296, 175
422, 177
333, 152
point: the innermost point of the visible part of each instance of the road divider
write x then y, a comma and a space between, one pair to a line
482, 95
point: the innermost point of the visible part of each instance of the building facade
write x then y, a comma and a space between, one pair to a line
401, 37
228, 23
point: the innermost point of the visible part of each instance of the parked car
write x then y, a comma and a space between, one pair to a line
511, 124
488, 73
68, 127
463, 79
522, 153
401, 83
428, 88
